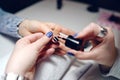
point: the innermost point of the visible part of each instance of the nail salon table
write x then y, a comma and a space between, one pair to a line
73, 15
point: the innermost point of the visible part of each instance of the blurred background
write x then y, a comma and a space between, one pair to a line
16, 5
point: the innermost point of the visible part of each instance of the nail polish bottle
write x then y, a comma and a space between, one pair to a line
71, 42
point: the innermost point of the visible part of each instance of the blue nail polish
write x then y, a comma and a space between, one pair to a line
75, 35
71, 54
49, 34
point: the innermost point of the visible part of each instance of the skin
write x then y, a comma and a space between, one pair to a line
26, 52
28, 27
104, 52
34, 42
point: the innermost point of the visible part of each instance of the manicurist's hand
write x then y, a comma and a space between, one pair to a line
27, 50
103, 51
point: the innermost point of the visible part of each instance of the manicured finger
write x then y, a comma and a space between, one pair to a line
43, 40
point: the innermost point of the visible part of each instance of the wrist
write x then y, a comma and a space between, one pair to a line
23, 23
15, 69
22, 26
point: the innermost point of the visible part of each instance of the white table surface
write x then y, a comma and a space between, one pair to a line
73, 15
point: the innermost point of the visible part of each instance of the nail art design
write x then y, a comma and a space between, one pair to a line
49, 34
55, 39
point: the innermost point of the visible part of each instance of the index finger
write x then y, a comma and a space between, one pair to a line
92, 30
58, 28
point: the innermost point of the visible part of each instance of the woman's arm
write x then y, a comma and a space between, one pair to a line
9, 23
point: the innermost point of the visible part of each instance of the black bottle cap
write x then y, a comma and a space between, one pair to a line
73, 43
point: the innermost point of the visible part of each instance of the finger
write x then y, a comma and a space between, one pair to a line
38, 26
60, 52
48, 46
83, 55
43, 40
51, 25
66, 31
92, 30
44, 28
49, 52
45, 54
63, 47
54, 45
109, 36
31, 38
58, 28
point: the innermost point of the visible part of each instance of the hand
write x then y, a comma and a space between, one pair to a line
103, 52
27, 50
28, 27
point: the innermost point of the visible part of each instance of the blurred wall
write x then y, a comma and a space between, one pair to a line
107, 4
16, 5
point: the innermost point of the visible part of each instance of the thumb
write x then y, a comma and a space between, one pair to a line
43, 40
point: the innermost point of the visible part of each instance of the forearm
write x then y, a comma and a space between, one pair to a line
9, 23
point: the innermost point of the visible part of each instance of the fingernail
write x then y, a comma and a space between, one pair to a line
49, 34
71, 54
55, 39
75, 35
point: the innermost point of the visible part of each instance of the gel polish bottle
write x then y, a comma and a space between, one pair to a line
71, 42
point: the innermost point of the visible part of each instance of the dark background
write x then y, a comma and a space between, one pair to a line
16, 5
107, 4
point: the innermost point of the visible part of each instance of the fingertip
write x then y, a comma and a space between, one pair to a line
75, 35
49, 34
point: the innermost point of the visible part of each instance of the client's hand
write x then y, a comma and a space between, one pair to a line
27, 50
103, 51
28, 27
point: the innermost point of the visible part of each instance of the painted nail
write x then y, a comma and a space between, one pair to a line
71, 54
75, 35
49, 34
55, 39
